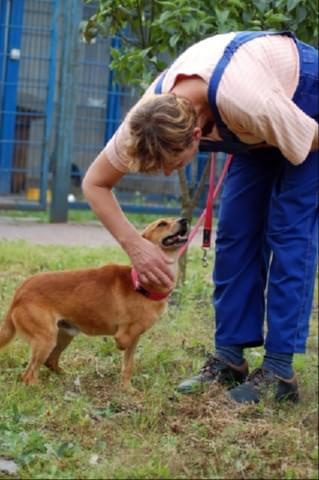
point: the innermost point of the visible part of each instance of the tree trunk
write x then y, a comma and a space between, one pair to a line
189, 201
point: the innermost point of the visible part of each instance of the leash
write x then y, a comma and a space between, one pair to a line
206, 217
207, 214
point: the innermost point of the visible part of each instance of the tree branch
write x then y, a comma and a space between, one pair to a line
184, 187
140, 21
201, 185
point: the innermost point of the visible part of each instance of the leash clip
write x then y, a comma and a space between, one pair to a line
205, 257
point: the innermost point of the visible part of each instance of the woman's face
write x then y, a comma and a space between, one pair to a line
183, 158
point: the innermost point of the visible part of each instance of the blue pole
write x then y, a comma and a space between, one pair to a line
9, 90
4, 25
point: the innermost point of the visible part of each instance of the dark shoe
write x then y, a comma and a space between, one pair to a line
260, 382
215, 370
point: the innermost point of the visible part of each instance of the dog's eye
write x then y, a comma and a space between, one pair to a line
162, 224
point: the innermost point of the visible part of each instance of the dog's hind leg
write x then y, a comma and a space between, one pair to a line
40, 350
63, 340
38, 327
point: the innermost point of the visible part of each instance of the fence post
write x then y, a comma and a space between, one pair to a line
11, 16
71, 17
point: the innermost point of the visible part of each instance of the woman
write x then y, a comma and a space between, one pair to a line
253, 94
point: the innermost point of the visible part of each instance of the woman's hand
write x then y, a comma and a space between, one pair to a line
151, 263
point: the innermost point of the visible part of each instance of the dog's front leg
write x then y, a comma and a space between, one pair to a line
126, 338
127, 366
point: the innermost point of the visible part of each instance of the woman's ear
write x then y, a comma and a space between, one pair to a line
197, 133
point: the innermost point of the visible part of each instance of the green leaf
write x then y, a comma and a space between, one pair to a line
246, 16
291, 4
165, 16
277, 18
301, 14
236, 3
174, 39
221, 15
261, 5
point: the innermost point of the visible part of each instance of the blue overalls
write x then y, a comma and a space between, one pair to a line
267, 238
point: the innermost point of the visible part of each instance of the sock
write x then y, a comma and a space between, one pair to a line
279, 363
231, 353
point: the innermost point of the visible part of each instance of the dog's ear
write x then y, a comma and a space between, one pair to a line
148, 229
143, 233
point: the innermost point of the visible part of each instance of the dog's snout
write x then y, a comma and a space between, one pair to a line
184, 224
183, 221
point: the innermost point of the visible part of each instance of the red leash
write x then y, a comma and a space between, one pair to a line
207, 213
207, 232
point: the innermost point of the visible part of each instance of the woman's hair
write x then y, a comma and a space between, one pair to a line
161, 127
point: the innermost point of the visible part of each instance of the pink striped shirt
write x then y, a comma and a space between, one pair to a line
254, 97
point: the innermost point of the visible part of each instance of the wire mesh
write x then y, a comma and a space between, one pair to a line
29, 103
25, 67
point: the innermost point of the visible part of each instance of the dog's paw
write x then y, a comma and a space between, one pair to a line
29, 379
127, 387
54, 368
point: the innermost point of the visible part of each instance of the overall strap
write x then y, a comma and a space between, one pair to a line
230, 143
239, 39
159, 84
209, 145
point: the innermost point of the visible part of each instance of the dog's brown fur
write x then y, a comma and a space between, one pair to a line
49, 308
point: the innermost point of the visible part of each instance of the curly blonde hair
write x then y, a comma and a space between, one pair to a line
160, 128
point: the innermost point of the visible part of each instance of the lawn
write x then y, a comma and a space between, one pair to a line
82, 425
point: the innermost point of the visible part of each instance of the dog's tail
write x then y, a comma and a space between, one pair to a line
7, 330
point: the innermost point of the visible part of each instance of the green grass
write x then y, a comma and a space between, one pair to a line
43, 216
78, 216
81, 425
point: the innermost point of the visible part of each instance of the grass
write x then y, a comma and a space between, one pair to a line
77, 216
81, 425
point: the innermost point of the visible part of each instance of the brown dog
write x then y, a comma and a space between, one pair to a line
49, 309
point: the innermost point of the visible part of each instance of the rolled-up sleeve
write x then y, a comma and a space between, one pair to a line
276, 120
255, 99
115, 148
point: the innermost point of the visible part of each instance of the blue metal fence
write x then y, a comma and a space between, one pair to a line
59, 105
28, 43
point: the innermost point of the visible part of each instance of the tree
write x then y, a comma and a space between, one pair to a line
153, 32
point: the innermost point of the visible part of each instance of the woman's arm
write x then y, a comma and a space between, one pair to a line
149, 260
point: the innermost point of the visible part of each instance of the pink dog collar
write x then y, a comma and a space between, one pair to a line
151, 295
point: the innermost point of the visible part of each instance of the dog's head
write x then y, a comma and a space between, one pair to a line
167, 233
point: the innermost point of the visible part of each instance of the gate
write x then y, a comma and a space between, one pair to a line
28, 51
